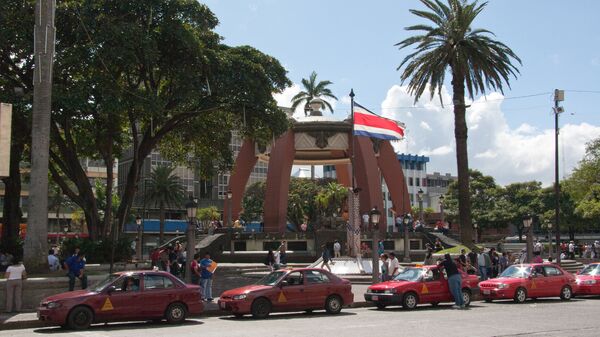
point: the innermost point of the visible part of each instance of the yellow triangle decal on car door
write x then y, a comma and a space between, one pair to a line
533, 285
107, 305
281, 298
425, 290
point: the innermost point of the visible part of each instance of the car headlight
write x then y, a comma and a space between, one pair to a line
390, 291
369, 290
52, 305
502, 286
239, 297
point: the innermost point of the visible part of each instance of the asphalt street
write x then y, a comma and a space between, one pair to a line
543, 317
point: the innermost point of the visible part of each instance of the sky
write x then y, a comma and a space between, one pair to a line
511, 135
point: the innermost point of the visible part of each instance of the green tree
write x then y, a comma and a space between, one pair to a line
313, 89
584, 184
164, 189
519, 200
301, 201
208, 214
474, 60
252, 202
330, 200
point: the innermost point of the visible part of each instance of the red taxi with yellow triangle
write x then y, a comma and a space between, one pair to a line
416, 285
302, 289
523, 281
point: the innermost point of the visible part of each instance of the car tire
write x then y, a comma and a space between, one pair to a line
466, 294
520, 295
176, 313
333, 304
80, 318
410, 301
566, 293
261, 308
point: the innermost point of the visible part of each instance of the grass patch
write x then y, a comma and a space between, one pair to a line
456, 250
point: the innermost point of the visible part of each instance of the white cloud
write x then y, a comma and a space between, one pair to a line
508, 154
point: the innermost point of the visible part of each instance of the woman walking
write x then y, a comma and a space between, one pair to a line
15, 275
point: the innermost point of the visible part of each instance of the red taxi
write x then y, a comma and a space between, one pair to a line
289, 290
415, 285
125, 296
588, 280
519, 282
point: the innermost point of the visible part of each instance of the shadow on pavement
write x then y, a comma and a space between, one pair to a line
121, 326
277, 316
423, 307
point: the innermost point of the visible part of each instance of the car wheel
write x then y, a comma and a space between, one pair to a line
566, 293
333, 304
520, 295
466, 295
80, 318
435, 304
261, 308
238, 315
176, 313
410, 301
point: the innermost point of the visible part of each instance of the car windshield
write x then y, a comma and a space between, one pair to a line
517, 272
271, 279
108, 280
592, 269
410, 274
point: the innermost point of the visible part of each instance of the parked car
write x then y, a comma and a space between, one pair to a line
417, 285
523, 281
588, 280
124, 296
305, 289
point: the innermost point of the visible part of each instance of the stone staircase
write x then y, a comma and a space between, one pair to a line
447, 241
572, 266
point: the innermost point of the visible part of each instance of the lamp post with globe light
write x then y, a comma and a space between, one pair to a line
375, 216
527, 221
407, 220
548, 226
138, 222
191, 207
475, 228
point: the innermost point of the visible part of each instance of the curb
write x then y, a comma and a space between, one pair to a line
33, 324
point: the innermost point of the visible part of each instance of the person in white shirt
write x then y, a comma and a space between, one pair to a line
393, 265
337, 247
53, 262
572, 250
14, 286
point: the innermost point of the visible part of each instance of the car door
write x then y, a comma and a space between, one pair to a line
291, 294
119, 303
537, 285
318, 286
158, 291
555, 280
435, 287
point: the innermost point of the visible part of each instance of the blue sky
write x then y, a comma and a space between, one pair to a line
352, 44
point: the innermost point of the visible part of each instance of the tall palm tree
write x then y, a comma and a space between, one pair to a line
312, 89
474, 59
164, 189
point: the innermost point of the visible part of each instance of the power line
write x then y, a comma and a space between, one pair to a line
585, 91
479, 102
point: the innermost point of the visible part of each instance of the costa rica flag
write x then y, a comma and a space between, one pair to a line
369, 124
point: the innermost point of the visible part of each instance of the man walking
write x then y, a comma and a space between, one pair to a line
75, 266
326, 256
206, 274
393, 265
482, 263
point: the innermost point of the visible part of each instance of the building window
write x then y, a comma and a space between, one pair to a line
418, 181
410, 181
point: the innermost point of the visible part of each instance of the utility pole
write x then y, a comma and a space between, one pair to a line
35, 247
559, 96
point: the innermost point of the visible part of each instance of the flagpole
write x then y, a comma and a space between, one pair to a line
353, 184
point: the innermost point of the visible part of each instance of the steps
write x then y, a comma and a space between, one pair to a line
446, 241
572, 266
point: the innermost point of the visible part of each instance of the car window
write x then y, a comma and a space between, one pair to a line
152, 282
294, 278
538, 271
552, 271
432, 275
313, 276
127, 284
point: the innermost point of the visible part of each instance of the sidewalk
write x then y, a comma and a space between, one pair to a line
28, 320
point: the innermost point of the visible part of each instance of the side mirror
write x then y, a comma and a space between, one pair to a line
283, 283
111, 289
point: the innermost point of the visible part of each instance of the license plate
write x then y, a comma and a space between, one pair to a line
486, 292
222, 305
374, 298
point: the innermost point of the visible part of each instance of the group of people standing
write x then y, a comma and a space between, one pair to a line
202, 274
276, 259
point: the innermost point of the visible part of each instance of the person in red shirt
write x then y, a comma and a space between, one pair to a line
195, 269
154, 257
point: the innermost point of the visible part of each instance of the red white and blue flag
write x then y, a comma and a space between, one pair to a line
369, 124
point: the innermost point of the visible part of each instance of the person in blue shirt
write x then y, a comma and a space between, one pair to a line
206, 277
75, 266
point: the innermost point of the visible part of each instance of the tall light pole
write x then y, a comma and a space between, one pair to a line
407, 220
138, 222
442, 198
527, 220
559, 96
375, 214
231, 246
548, 226
475, 227
420, 198
191, 207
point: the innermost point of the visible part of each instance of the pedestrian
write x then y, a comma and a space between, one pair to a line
393, 265
481, 264
155, 257
494, 263
472, 258
3, 261
75, 266
454, 281
380, 247
14, 275
326, 256
270, 261
337, 247
595, 249
462, 260
428, 258
537, 258
384, 268
572, 250
195, 268
282, 253
365, 219
503, 262
438, 245
53, 262
207, 269
277, 261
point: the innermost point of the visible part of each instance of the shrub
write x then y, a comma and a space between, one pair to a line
98, 251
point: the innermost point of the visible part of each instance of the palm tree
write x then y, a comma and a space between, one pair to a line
475, 60
164, 190
312, 89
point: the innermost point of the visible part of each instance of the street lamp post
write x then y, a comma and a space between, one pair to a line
420, 198
375, 215
527, 220
548, 226
475, 227
66, 229
407, 222
442, 198
138, 222
231, 246
191, 207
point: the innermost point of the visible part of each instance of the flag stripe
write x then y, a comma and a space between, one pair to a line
370, 125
